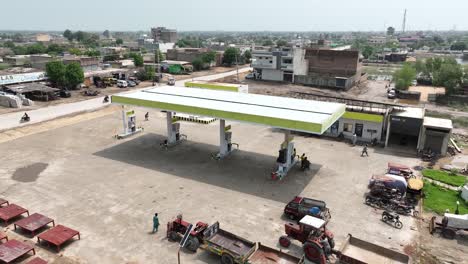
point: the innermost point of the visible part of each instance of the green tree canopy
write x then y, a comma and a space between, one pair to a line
208, 57
458, 46
68, 35
404, 77
390, 31
137, 59
148, 73
268, 42
37, 48
247, 56
450, 76
197, 64
75, 51
231, 56
119, 41
55, 71
367, 51
281, 43
73, 75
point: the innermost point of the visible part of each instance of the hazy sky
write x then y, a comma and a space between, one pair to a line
242, 15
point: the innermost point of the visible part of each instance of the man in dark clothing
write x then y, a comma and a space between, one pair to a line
364, 151
146, 116
155, 223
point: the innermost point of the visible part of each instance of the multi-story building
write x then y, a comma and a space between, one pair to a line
328, 68
164, 35
308, 66
274, 64
39, 61
18, 60
87, 63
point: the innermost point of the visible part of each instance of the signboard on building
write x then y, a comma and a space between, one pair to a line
22, 78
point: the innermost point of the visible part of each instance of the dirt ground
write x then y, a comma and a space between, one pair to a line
109, 189
426, 90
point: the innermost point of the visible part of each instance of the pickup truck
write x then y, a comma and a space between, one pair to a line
301, 206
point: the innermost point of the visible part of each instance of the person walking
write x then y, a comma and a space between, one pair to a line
155, 223
147, 116
364, 151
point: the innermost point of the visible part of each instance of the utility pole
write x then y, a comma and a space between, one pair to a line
237, 67
403, 28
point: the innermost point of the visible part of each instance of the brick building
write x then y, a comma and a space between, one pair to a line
164, 35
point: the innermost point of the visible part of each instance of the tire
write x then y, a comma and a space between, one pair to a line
227, 259
173, 236
331, 241
384, 217
415, 213
369, 201
284, 241
314, 253
192, 244
398, 224
449, 233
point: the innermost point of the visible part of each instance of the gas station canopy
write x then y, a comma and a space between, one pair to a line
280, 112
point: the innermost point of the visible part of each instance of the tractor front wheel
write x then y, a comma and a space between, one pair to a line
193, 244
173, 236
227, 259
285, 241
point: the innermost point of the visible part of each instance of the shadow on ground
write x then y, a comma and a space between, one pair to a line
245, 172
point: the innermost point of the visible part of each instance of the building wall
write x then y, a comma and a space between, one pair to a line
272, 75
372, 126
342, 63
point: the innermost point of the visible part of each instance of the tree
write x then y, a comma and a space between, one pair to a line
119, 41
247, 56
79, 36
73, 75
137, 59
367, 51
268, 42
36, 49
390, 31
197, 64
208, 57
404, 77
55, 71
231, 56
111, 57
68, 35
93, 53
75, 51
158, 56
281, 43
458, 46
55, 49
450, 76
147, 74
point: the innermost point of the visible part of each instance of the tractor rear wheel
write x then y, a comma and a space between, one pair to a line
314, 253
285, 241
227, 259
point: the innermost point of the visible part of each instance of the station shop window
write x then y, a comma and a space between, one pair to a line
347, 127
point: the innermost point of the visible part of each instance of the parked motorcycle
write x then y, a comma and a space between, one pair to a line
392, 218
403, 209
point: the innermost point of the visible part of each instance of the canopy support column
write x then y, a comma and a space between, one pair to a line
173, 135
225, 144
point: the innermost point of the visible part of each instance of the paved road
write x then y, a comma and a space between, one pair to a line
11, 120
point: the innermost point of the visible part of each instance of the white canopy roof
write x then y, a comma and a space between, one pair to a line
289, 113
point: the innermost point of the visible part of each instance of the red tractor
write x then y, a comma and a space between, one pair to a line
177, 228
318, 242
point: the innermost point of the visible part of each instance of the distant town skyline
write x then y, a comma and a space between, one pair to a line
241, 15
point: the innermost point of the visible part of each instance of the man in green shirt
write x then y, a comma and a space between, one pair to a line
155, 223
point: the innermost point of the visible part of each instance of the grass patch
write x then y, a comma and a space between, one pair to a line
438, 114
458, 122
439, 199
445, 177
4, 66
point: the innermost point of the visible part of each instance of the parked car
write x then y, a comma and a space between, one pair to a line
171, 81
301, 206
131, 83
135, 80
122, 84
391, 94
65, 93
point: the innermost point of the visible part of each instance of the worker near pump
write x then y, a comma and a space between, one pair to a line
155, 223
364, 151
354, 139
305, 163
147, 116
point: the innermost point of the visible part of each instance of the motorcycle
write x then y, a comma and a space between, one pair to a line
404, 209
25, 119
392, 218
